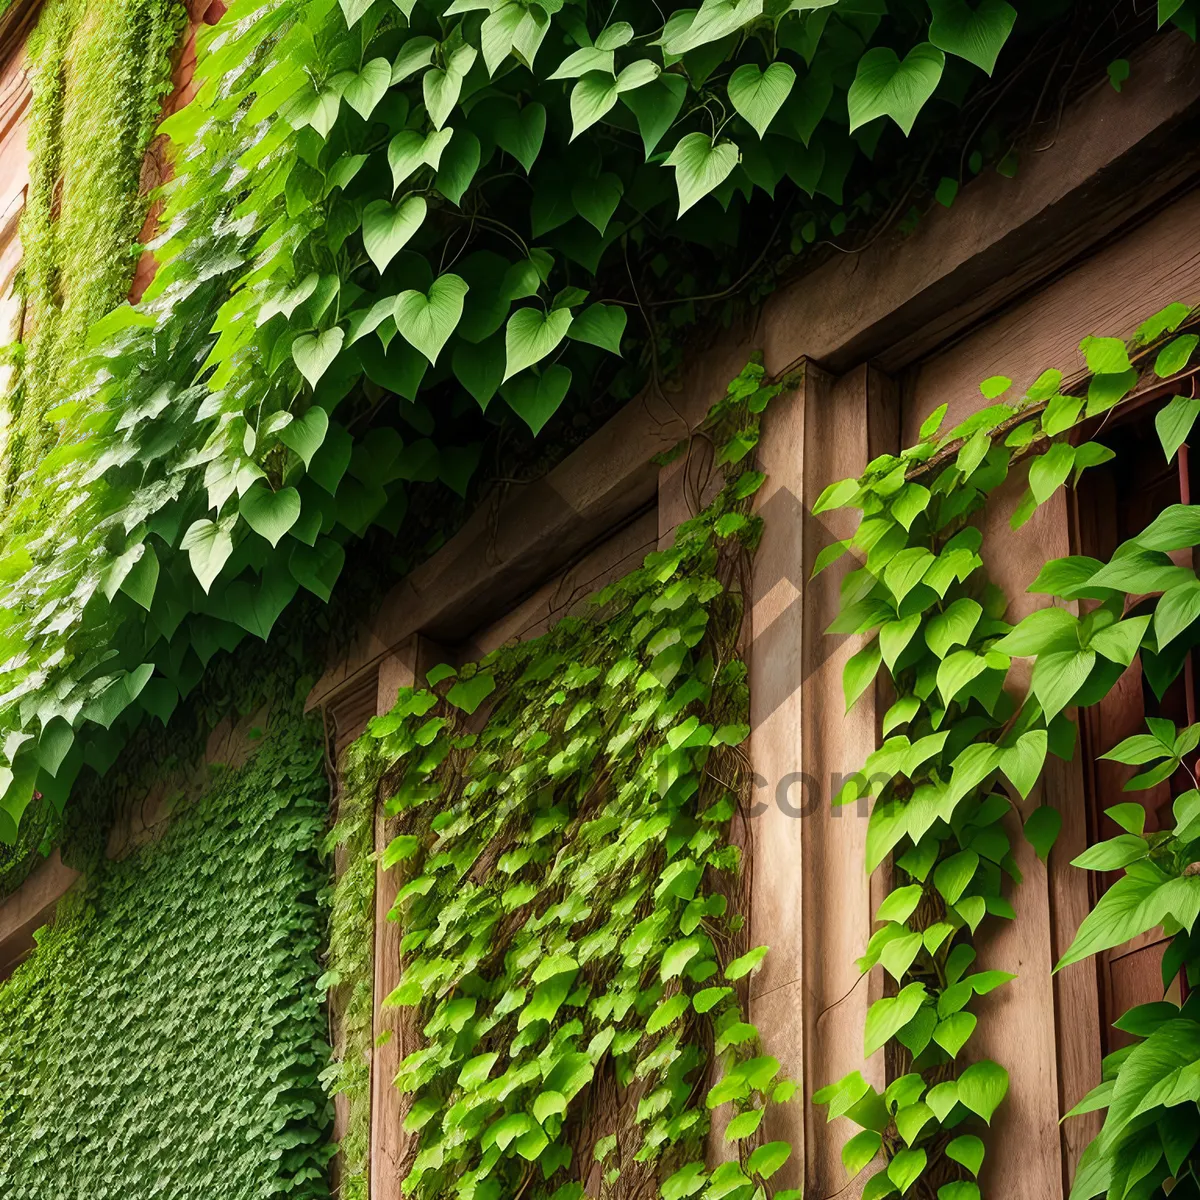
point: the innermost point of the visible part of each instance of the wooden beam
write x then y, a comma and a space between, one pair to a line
511, 545
1114, 157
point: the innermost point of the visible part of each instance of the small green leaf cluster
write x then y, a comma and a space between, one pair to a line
960, 753
573, 945
168, 1035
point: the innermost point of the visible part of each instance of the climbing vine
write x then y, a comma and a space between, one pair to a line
392, 224
567, 813
99, 74
961, 753
168, 1034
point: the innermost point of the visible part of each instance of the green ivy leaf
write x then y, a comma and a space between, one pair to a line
655, 107
600, 325
521, 134
415, 54
967, 1150
962, 1190
305, 434
592, 98
860, 1150
888, 1016
531, 335
469, 694
387, 229
1174, 422
860, 672
978, 35
700, 166
269, 513
442, 88
480, 369
886, 87
536, 398
759, 95
1058, 676
981, 1088
905, 1168
368, 87
746, 963
952, 1033
765, 1160
314, 354
1042, 829
1175, 355
685, 1182
409, 150
426, 320
1106, 356
209, 545
744, 1125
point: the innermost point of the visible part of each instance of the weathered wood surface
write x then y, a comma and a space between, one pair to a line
776, 668
1114, 157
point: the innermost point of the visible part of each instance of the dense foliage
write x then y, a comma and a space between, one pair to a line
167, 1034
573, 935
98, 75
391, 225
960, 753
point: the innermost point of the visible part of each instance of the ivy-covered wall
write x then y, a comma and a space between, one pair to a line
99, 73
167, 1035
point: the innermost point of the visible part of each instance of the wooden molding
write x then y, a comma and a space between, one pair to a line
1115, 157
30, 907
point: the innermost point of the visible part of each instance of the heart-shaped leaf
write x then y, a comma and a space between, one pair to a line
458, 165
314, 354
305, 434
415, 54
409, 150
469, 694
952, 1033
531, 335
977, 34
497, 34
967, 1150
388, 228
317, 567
700, 166
591, 99
427, 319
209, 545
759, 95
656, 106
368, 87
535, 399
982, 1086
270, 514
521, 134
600, 325
1174, 423
441, 88
886, 87
596, 199
480, 368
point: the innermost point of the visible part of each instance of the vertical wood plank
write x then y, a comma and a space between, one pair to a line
836, 892
395, 1030
775, 664
1020, 1024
